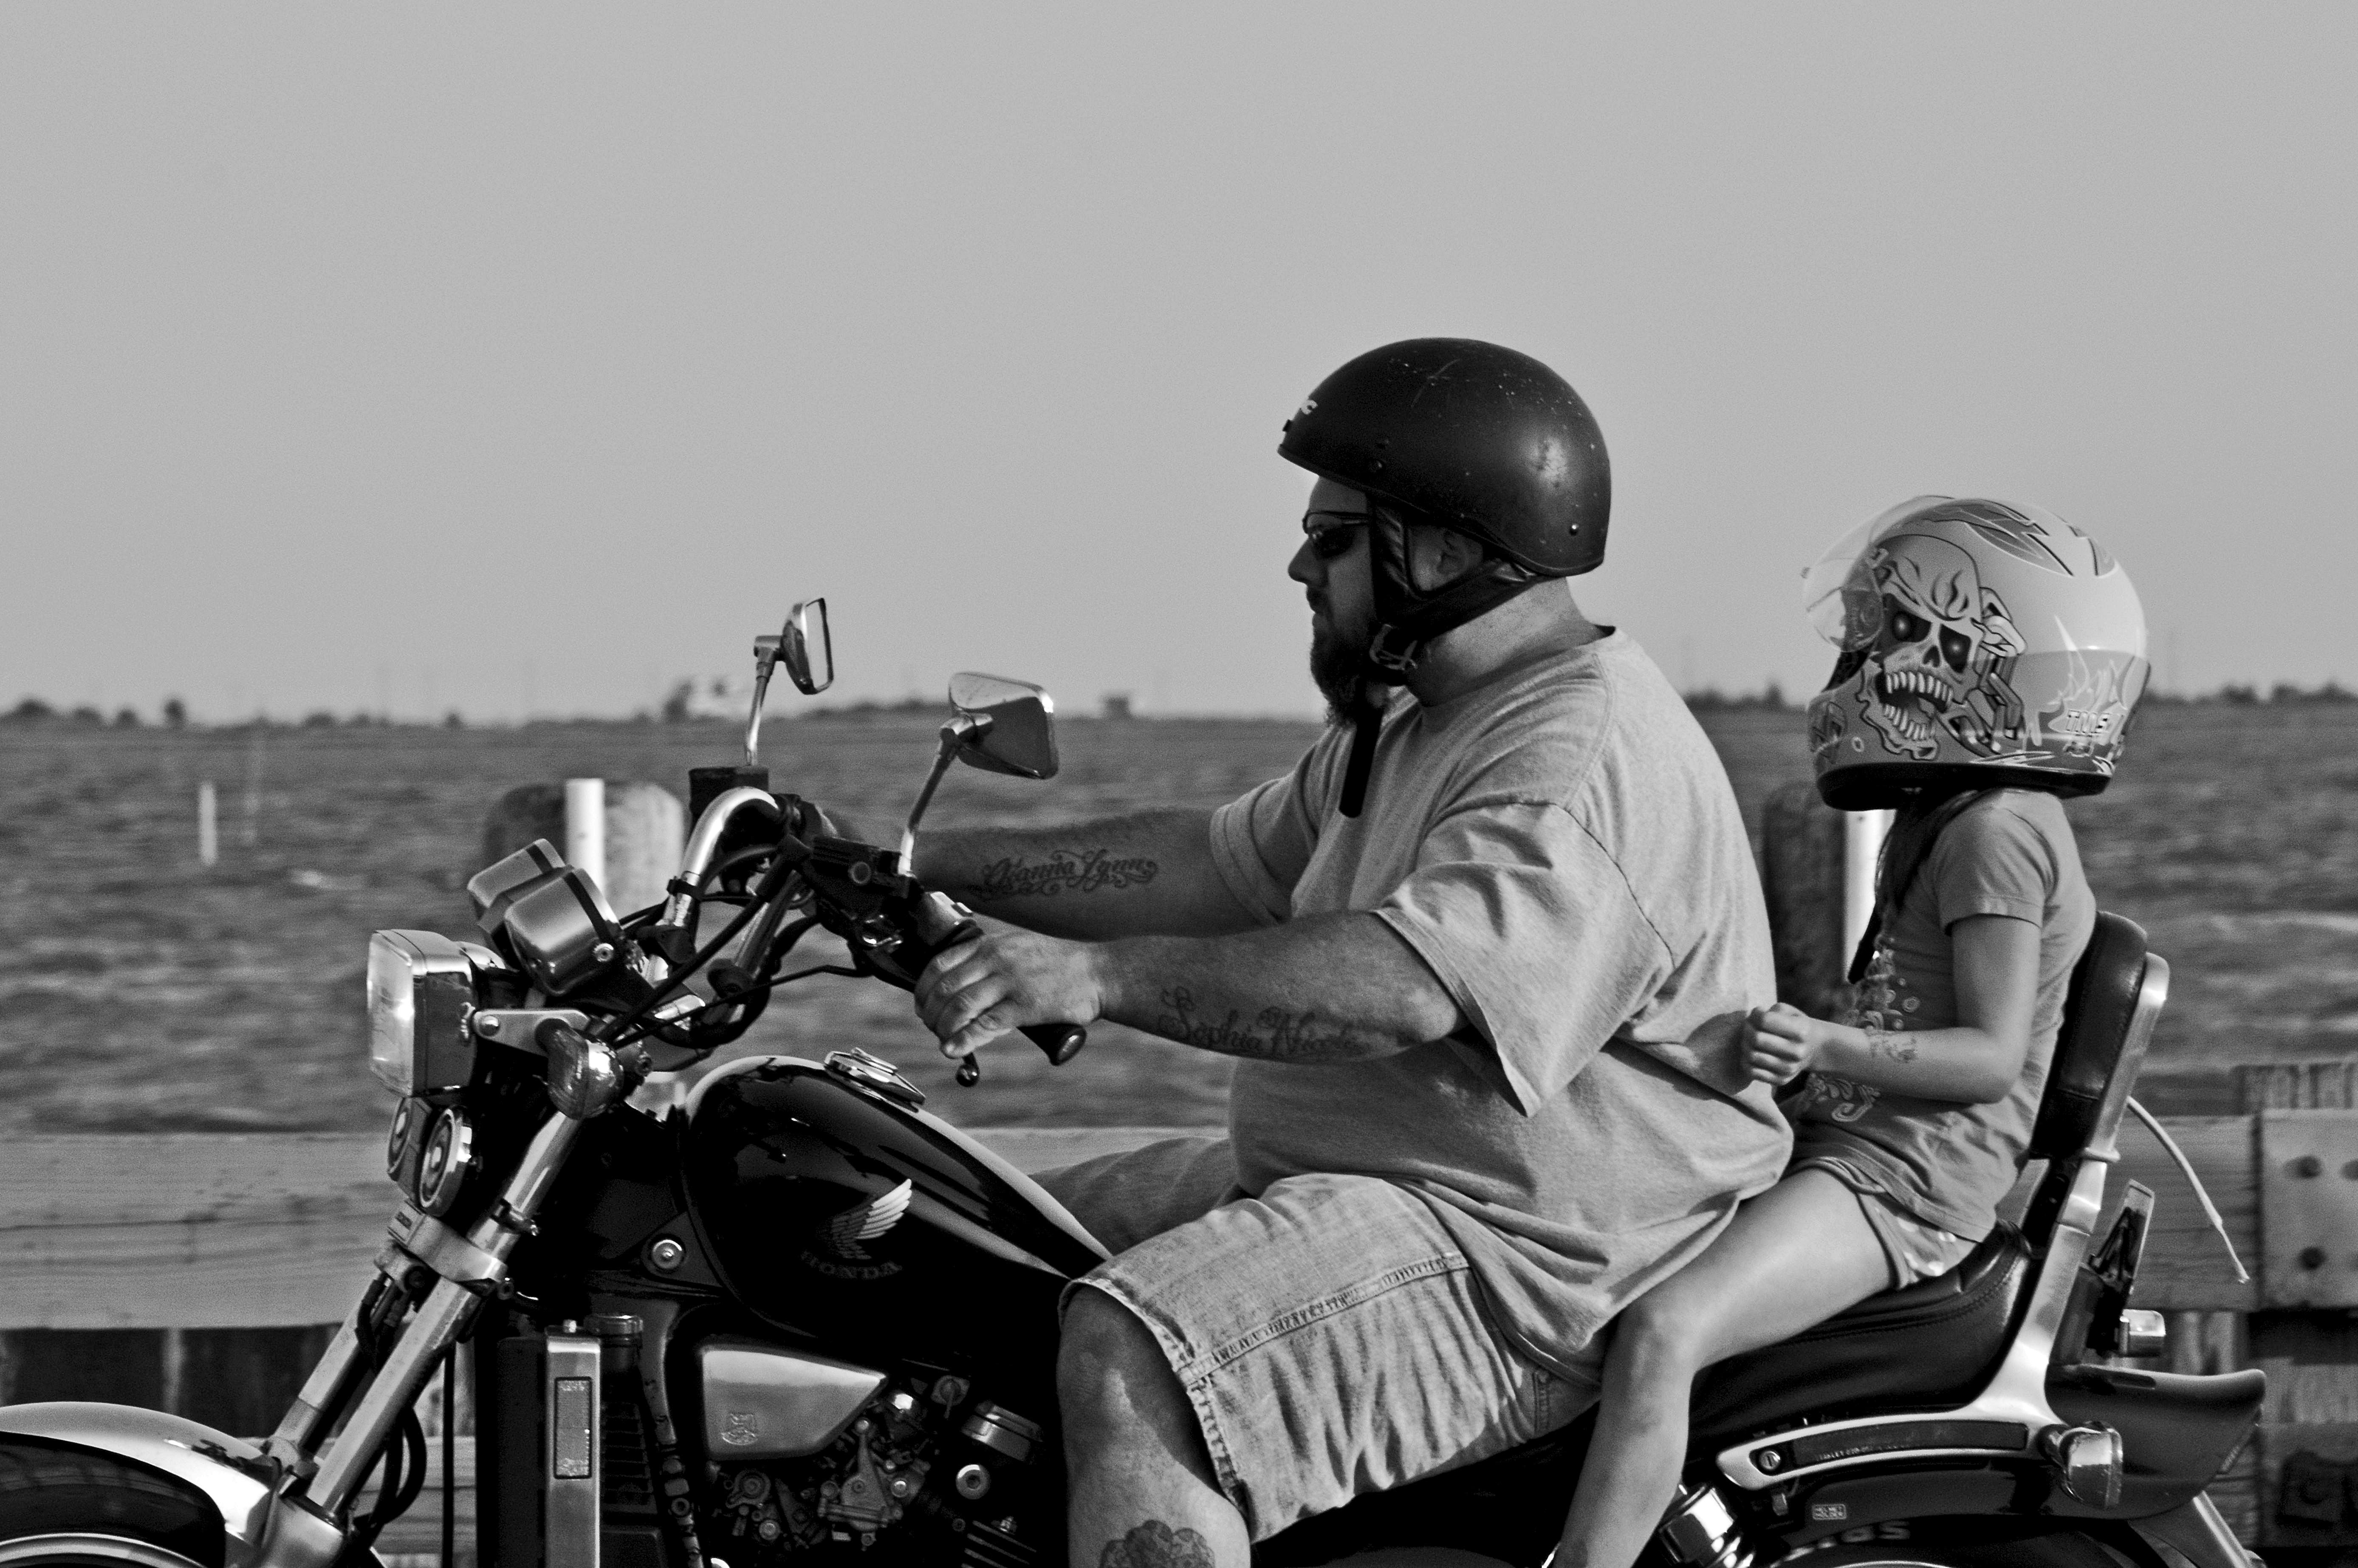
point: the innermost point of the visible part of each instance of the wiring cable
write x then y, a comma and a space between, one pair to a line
2186, 1168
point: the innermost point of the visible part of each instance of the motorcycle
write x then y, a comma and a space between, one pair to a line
795, 1318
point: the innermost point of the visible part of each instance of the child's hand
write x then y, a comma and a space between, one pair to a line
1781, 1042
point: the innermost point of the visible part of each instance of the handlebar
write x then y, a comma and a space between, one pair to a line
859, 886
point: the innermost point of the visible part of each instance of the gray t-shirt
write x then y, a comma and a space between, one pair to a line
2010, 853
1561, 847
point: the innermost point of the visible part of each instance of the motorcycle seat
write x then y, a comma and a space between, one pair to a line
1929, 1345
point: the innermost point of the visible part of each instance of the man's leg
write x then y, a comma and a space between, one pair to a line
1273, 1358
1141, 1488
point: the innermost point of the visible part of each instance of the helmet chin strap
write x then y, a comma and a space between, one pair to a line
1406, 619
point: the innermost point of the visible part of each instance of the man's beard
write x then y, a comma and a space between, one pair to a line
1337, 667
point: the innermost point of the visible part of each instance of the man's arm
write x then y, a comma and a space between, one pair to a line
1126, 876
1327, 988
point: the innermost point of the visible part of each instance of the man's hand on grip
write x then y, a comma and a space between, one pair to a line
1002, 980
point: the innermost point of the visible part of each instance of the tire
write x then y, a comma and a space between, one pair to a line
66, 1508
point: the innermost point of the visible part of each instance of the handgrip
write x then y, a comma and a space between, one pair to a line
1059, 1041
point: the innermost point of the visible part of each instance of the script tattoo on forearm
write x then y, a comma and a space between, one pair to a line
1156, 1545
1891, 1047
1065, 871
1275, 1034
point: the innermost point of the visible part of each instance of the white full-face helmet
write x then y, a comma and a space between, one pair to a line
1983, 644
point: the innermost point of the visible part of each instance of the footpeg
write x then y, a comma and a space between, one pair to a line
2089, 1458
1699, 1532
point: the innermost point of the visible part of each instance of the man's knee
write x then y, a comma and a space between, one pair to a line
1111, 1374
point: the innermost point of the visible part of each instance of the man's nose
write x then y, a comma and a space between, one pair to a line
1305, 568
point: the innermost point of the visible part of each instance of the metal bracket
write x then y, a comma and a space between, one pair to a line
570, 1397
518, 1028
2309, 1209
443, 1250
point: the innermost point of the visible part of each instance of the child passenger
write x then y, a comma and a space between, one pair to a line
1992, 655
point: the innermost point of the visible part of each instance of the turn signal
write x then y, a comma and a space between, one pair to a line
584, 1080
2089, 1458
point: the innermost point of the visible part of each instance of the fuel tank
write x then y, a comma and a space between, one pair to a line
830, 1205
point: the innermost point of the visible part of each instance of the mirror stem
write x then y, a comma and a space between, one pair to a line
956, 733
753, 722
765, 659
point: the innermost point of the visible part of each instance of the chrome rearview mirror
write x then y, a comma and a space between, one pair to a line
1000, 725
1009, 725
805, 631
809, 650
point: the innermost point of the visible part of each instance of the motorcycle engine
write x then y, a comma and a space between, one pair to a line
918, 1475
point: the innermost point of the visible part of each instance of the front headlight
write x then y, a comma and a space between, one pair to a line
421, 997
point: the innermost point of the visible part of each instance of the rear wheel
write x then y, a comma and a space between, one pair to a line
1949, 1543
62, 1508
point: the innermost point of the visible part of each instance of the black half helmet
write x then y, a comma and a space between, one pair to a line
1469, 436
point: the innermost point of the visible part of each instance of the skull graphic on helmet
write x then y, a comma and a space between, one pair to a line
1942, 654
1982, 643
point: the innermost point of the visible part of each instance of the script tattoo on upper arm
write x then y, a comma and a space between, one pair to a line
1275, 1034
1891, 1047
1065, 871
1156, 1545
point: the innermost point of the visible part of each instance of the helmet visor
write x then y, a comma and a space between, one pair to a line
1838, 592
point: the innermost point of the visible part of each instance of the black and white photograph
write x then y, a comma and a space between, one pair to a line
1051, 787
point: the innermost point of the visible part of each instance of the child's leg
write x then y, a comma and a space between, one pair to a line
1792, 1258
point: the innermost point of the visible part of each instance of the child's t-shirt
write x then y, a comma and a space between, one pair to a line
2010, 853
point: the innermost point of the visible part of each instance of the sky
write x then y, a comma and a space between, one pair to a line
523, 360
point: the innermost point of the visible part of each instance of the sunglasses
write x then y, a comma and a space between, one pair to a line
1330, 532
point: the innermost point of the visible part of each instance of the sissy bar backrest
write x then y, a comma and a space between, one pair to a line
2115, 997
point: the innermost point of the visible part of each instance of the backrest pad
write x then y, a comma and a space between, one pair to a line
2097, 1012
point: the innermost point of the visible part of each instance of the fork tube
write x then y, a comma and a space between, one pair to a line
437, 1325
354, 1454
543, 1159
324, 1392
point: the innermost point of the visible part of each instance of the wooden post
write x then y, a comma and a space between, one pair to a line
1863, 836
2308, 1442
1802, 873
253, 786
644, 828
207, 825
585, 827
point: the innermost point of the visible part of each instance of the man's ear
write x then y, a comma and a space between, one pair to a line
1439, 556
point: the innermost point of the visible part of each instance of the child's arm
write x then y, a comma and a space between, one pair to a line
1994, 960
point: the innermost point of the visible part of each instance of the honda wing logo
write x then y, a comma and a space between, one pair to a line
840, 1237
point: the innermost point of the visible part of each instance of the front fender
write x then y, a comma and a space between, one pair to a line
227, 1470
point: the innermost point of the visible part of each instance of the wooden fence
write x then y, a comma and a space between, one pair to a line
201, 1274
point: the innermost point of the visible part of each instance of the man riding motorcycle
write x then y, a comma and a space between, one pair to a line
1483, 956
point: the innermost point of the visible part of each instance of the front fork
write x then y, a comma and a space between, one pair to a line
325, 1468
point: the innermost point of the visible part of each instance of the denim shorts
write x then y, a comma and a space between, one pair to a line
1913, 1248
1329, 1334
